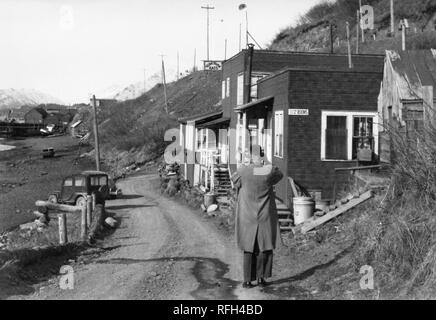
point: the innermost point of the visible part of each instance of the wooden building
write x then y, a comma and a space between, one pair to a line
249, 113
407, 95
35, 116
309, 122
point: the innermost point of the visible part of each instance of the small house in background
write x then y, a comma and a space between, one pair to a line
407, 95
36, 115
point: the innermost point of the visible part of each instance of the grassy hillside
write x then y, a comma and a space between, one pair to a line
133, 131
312, 31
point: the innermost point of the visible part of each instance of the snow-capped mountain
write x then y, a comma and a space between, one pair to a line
134, 90
15, 98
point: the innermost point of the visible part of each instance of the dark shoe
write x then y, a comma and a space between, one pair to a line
261, 282
247, 285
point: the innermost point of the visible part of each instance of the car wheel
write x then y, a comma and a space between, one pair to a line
80, 202
52, 198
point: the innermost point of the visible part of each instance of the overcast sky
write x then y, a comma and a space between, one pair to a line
71, 49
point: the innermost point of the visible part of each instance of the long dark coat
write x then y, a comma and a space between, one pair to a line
256, 211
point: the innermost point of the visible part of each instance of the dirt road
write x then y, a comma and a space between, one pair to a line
162, 250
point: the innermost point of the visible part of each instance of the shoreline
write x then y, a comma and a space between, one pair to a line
25, 176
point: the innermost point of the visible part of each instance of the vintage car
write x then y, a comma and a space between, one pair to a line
48, 153
75, 188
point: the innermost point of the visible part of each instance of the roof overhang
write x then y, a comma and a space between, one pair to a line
215, 123
202, 118
266, 101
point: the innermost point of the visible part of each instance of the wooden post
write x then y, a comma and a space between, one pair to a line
93, 201
97, 143
89, 210
83, 225
62, 218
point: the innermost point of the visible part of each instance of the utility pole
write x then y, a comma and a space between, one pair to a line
240, 37
392, 19
208, 8
357, 31
195, 60
246, 27
331, 39
360, 25
97, 143
225, 50
164, 84
145, 87
178, 66
350, 62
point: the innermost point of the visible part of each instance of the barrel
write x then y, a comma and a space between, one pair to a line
303, 209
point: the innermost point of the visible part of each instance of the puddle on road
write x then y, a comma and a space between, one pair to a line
207, 271
213, 285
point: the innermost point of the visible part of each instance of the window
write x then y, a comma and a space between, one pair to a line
68, 182
336, 138
79, 181
343, 134
228, 87
223, 89
362, 134
94, 181
103, 180
278, 134
240, 96
254, 79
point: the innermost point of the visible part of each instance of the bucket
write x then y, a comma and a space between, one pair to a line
303, 209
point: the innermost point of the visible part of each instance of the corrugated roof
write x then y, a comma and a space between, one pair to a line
413, 70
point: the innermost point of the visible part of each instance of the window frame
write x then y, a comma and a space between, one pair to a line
227, 87
223, 89
240, 89
276, 125
350, 123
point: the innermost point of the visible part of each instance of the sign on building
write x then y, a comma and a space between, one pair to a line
212, 65
298, 112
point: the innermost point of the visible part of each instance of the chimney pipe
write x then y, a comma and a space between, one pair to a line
249, 71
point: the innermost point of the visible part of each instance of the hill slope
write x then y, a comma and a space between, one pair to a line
312, 31
133, 131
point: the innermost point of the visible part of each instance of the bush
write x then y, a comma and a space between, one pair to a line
399, 238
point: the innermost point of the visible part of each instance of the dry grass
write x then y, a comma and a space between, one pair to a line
398, 236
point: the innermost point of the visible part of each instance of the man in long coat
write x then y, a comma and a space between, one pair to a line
257, 229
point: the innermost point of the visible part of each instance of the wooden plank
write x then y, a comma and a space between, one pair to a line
294, 189
56, 206
286, 220
309, 225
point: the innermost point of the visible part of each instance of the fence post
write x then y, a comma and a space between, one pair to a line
89, 210
63, 239
84, 226
93, 201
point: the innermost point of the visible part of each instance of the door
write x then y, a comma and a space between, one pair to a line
67, 193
